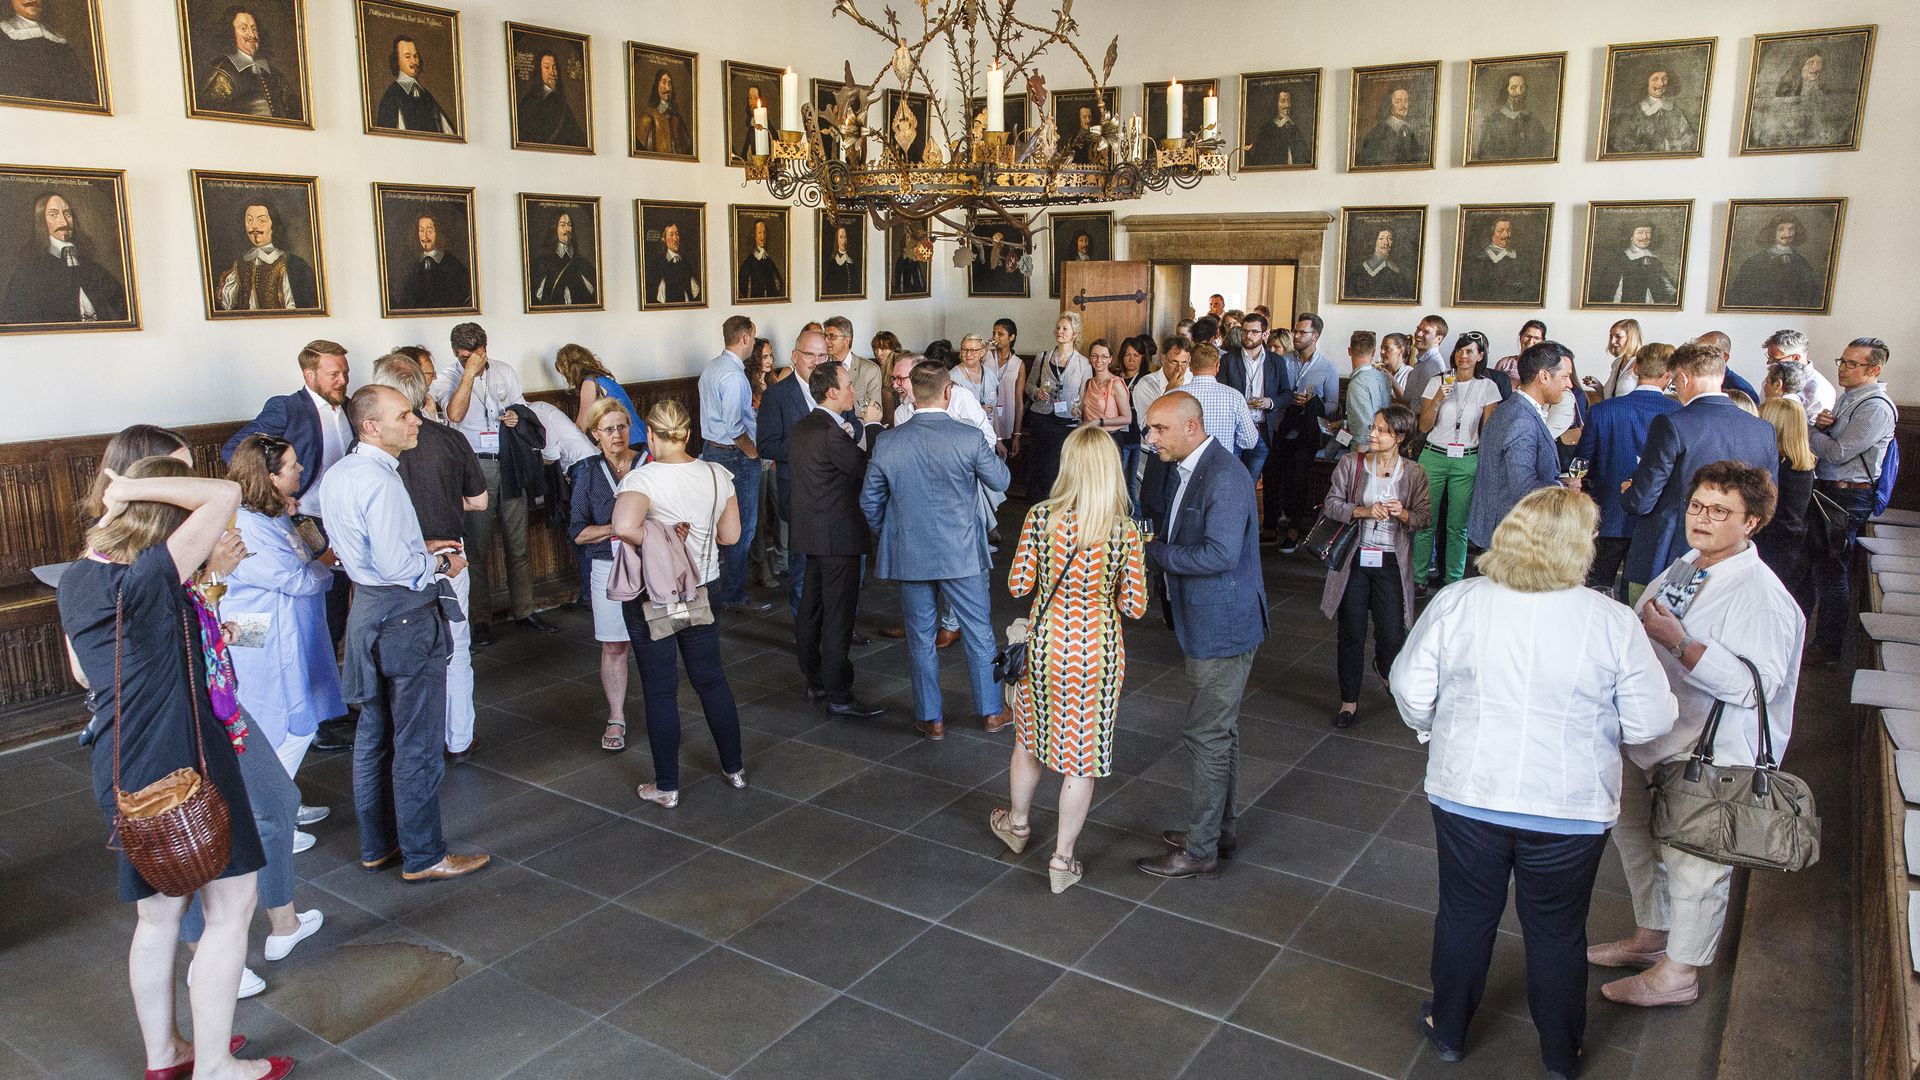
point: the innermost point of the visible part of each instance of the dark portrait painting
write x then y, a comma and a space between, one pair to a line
410, 71
550, 76
246, 61
1636, 254
672, 239
1513, 109
1013, 112
425, 237
1500, 255
840, 256
907, 119
909, 262
1380, 254
1280, 120
66, 262
260, 254
560, 266
1001, 262
52, 55
663, 103
1077, 238
823, 93
1193, 98
1393, 116
748, 87
1807, 90
1780, 255
1077, 112
762, 264
1655, 102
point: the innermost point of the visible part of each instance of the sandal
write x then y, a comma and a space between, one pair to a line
1014, 836
613, 744
665, 799
1062, 880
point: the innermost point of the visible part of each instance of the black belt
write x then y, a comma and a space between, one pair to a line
488, 457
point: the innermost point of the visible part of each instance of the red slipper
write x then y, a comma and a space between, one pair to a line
184, 1070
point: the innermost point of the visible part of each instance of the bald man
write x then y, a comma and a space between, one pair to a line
1719, 340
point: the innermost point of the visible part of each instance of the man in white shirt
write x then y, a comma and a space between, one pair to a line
1815, 394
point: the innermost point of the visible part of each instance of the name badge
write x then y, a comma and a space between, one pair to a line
1456, 449
1061, 408
1344, 437
490, 442
1372, 558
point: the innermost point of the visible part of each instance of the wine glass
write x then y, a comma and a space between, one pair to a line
1577, 468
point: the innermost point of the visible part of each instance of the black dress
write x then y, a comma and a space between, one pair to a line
155, 736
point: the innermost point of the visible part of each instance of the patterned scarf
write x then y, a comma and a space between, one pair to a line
221, 684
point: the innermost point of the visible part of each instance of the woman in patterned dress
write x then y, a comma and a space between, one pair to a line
1081, 547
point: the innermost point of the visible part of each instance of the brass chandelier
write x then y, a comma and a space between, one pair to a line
971, 170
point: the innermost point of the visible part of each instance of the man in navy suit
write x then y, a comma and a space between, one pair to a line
1517, 453
1709, 428
1209, 566
1612, 441
922, 497
1719, 340
1261, 378
783, 405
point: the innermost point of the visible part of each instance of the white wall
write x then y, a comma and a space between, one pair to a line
1873, 293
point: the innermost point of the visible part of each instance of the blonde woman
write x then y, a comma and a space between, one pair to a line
1783, 541
1623, 344
1080, 555
1053, 389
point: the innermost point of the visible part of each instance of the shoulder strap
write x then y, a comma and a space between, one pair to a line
1047, 601
1703, 750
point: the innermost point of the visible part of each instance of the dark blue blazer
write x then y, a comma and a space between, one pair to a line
1273, 383
292, 417
1707, 430
1733, 381
782, 406
1210, 558
1611, 441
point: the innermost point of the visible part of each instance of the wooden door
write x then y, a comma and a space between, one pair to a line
1111, 299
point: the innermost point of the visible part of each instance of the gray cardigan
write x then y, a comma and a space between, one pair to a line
1410, 487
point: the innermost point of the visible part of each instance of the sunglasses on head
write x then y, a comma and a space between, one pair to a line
270, 451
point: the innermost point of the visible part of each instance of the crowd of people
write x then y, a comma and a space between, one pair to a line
1564, 576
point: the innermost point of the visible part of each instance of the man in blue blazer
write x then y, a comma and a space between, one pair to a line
1709, 428
1209, 564
1612, 441
785, 404
922, 497
1517, 455
1261, 378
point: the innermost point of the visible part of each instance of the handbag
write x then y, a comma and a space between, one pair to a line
667, 619
1330, 540
1010, 660
1828, 523
176, 831
1741, 815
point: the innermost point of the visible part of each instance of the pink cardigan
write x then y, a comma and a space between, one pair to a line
666, 565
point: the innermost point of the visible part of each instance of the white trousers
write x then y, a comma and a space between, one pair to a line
293, 752
460, 671
1682, 894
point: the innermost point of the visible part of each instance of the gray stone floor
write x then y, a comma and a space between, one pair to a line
848, 916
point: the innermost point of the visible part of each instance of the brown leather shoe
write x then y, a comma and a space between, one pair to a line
895, 632
999, 721
932, 729
452, 866
1178, 864
944, 638
374, 866
1177, 840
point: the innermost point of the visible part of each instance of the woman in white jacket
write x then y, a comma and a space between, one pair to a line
1525, 683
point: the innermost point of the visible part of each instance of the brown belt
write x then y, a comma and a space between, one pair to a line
1849, 485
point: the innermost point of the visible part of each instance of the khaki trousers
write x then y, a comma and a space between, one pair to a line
1682, 894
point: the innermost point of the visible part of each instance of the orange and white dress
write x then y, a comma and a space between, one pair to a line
1076, 659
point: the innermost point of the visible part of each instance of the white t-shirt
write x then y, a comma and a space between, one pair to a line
1457, 420
695, 492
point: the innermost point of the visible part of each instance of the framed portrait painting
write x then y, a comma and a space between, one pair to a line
1002, 262
1280, 120
426, 238
1807, 90
762, 256
1076, 112
1013, 113
1636, 255
840, 256
1393, 110
88, 284
1381, 254
663, 103
748, 87
1655, 101
672, 240
1193, 105
550, 76
410, 71
560, 264
246, 62
908, 120
52, 56
1513, 109
909, 262
1500, 255
1780, 255
1077, 238
260, 252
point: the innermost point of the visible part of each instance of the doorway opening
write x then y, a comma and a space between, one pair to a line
1183, 290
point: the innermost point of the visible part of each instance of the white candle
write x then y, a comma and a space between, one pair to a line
761, 140
996, 98
789, 101
1173, 109
1212, 115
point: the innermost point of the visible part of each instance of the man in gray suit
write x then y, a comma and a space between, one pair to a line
922, 497
1517, 454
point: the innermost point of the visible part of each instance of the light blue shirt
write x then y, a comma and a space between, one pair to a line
726, 400
1223, 412
1558, 826
1317, 375
1368, 392
371, 523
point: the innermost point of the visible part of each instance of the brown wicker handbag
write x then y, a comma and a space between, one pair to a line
175, 831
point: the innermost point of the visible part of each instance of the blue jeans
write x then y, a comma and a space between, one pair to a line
1831, 569
399, 746
968, 596
732, 586
1129, 468
274, 799
1255, 458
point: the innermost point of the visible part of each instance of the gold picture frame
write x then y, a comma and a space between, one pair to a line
995, 252
549, 280
398, 111
1193, 96
1379, 137
235, 282
1791, 120
1755, 275
1483, 279
834, 282
1066, 106
1368, 277
72, 32
648, 127
409, 286
216, 89
27, 305
541, 116
908, 278
1064, 231
1627, 131
661, 290
1501, 131
1611, 276
737, 79
1269, 146
751, 284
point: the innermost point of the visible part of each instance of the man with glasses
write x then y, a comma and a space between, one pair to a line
1851, 444
867, 376
1259, 376
1815, 393
783, 405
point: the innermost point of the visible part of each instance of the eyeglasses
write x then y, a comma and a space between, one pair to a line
270, 451
1845, 363
815, 355
1713, 513
835, 335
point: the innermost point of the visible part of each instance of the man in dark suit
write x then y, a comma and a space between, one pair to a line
827, 457
55, 280
781, 407
439, 281
1261, 378
243, 80
407, 105
1281, 141
544, 116
1517, 453
1612, 441
36, 62
1393, 140
1719, 340
1709, 428
1208, 565
562, 275
922, 497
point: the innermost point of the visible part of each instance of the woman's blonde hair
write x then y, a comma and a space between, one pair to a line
1789, 422
1072, 317
1545, 543
142, 524
598, 411
576, 364
1090, 486
1280, 339
1634, 340
668, 421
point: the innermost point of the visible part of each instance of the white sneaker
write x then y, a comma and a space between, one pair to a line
251, 985
311, 815
278, 946
302, 841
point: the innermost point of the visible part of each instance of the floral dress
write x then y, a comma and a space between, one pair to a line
1064, 711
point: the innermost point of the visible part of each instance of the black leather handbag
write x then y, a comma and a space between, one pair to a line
1332, 541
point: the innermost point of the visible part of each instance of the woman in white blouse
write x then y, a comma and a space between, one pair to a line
996, 388
1525, 684
1053, 389
1455, 406
1623, 343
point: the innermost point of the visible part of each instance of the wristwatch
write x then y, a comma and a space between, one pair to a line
446, 563
1680, 650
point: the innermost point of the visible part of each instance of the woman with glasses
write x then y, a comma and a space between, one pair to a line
596, 483
1456, 404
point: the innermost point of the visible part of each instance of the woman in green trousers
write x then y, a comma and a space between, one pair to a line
1455, 405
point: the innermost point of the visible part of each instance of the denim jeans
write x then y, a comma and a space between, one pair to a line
968, 596
274, 799
399, 746
699, 648
732, 584
1832, 569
